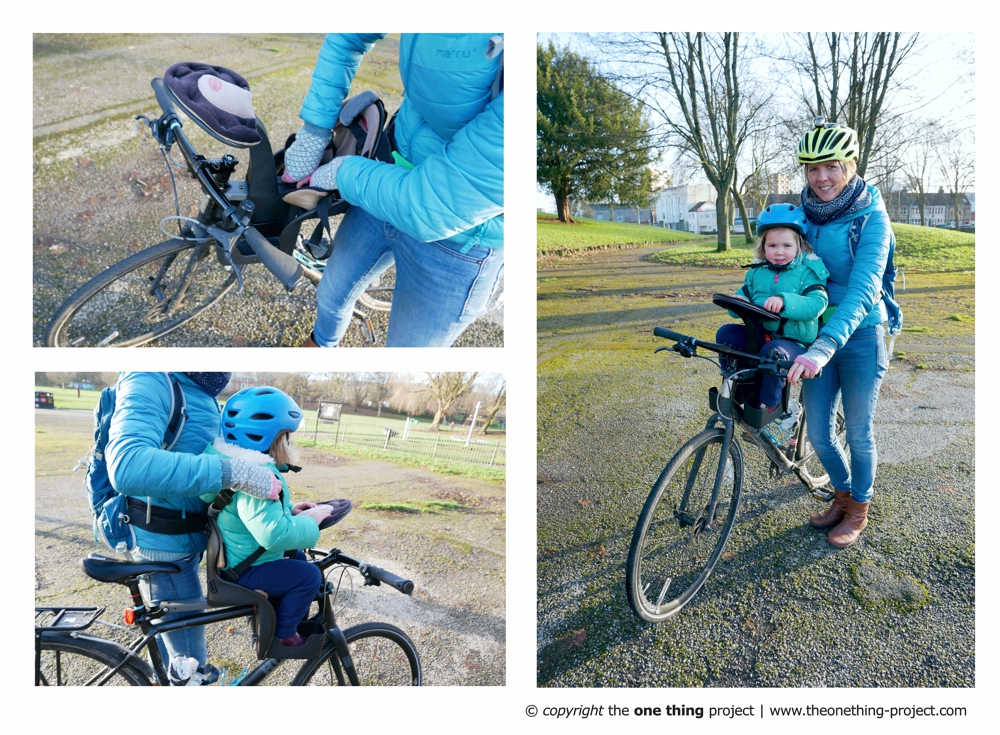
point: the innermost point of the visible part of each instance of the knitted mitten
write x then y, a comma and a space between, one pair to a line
304, 155
254, 480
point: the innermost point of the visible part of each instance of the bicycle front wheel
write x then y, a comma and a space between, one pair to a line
681, 532
383, 655
143, 297
86, 661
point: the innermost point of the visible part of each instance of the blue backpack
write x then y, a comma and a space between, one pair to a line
895, 314
116, 514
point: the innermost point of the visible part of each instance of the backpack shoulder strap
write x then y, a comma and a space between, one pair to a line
854, 233
178, 413
495, 51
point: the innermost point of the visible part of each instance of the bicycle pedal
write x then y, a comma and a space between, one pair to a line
824, 494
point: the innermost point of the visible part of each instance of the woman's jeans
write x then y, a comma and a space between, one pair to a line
735, 335
439, 291
182, 586
855, 375
291, 585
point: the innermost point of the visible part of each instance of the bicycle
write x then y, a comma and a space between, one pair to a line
369, 654
157, 290
692, 507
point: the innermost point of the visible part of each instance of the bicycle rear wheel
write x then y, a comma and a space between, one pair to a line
679, 538
86, 661
383, 656
811, 472
143, 297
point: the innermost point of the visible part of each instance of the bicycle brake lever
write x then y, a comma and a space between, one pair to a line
228, 240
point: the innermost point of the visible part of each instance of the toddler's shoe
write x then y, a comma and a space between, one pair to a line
295, 641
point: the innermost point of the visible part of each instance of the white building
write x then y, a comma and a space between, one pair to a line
701, 217
672, 205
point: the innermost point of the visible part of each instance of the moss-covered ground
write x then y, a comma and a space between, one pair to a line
783, 608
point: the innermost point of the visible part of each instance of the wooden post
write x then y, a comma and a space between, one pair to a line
494, 452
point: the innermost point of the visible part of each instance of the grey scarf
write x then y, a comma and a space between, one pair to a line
851, 200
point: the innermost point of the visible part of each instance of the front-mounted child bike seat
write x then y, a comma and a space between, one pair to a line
216, 98
360, 131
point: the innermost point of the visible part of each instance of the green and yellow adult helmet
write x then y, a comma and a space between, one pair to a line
828, 142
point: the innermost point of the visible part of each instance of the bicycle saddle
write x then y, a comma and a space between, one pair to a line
216, 98
105, 569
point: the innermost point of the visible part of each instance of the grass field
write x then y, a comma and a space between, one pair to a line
558, 238
918, 250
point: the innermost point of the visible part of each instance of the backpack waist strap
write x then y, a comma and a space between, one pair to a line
164, 520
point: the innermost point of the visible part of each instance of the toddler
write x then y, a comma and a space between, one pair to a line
787, 279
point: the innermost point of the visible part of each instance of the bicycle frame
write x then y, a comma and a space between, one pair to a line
145, 614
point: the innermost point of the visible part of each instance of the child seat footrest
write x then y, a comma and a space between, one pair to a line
315, 636
758, 418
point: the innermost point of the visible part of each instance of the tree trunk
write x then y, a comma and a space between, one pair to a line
438, 415
743, 215
722, 222
562, 207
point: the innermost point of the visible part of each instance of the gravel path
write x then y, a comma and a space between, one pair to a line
456, 559
782, 608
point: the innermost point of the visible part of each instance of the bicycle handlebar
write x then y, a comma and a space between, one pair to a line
780, 365
161, 95
336, 556
283, 266
403, 585
667, 334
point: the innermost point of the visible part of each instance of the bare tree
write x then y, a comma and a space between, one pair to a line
296, 385
850, 78
496, 403
356, 385
958, 168
445, 389
922, 161
380, 384
694, 83
61, 379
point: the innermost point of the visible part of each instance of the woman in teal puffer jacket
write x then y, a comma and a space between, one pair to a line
850, 348
439, 214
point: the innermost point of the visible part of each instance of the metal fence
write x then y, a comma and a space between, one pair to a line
392, 436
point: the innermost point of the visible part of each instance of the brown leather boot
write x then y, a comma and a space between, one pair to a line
851, 527
834, 514
309, 342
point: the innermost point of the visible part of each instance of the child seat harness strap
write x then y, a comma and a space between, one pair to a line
221, 501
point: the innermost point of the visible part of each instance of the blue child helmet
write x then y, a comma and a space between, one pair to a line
782, 215
253, 417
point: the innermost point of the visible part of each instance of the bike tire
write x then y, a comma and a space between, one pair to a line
812, 474
674, 546
84, 660
129, 304
383, 656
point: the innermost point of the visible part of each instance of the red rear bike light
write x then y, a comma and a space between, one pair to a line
129, 616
